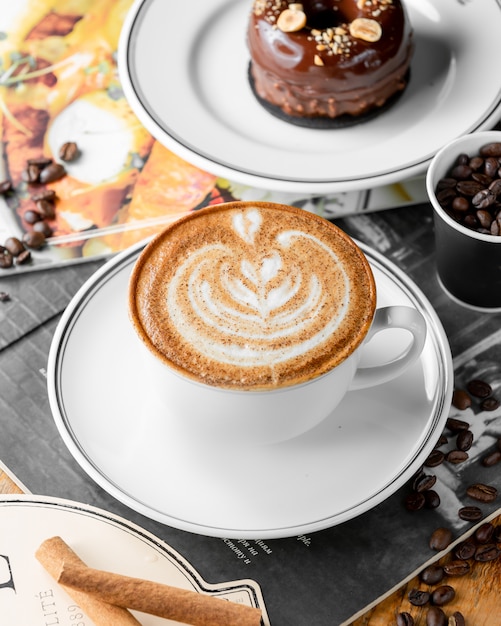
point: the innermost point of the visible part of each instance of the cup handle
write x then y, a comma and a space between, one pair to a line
392, 317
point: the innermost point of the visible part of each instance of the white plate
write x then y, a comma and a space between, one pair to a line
363, 452
102, 540
183, 67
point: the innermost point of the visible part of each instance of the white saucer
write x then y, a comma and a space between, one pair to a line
374, 441
103, 541
183, 68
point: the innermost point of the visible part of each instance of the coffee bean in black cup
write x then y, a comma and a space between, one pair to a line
468, 254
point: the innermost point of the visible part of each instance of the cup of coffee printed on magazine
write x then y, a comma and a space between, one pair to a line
254, 316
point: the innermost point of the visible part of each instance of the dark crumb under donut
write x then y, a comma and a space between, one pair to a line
342, 121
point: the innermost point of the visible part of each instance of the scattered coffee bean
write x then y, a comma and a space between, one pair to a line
4, 296
42, 227
31, 174
435, 458
7, 260
442, 441
417, 597
487, 552
479, 388
470, 513
483, 546
69, 151
440, 539
30, 216
456, 456
405, 619
456, 619
489, 404
461, 399
52, 172
465, 550
482, 493
45, 194
442, 595
431, 499
423, 482
432, 574
38, 170
491, 459
46, 209
24, 257
34, 240
435, 617
14, 246
464, 440
484, 533
455, 425
458, 567
414, 501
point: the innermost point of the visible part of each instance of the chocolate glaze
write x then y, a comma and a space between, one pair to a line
356, 75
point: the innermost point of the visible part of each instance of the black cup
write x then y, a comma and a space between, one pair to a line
468, 262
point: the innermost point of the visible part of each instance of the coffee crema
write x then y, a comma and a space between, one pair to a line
252, 296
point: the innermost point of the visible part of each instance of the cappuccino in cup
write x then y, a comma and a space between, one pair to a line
252, 296
244, 305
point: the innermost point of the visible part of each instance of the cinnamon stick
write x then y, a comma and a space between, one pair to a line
51, 554
181, 605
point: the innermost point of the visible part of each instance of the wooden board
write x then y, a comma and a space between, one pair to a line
478, 593
9, 483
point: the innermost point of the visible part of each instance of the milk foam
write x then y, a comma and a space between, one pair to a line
210, 304
252, 296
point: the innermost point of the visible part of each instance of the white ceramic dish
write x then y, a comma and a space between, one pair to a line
184, 71
363, 452
103, 541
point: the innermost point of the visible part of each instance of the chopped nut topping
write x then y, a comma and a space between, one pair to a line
374, 7
291, 20
366, 29
317, 60
259, 7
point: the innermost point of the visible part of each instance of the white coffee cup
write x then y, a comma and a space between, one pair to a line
265, 414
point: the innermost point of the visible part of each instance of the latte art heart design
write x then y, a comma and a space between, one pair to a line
252, 305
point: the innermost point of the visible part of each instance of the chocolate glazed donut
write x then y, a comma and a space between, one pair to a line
328, 63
